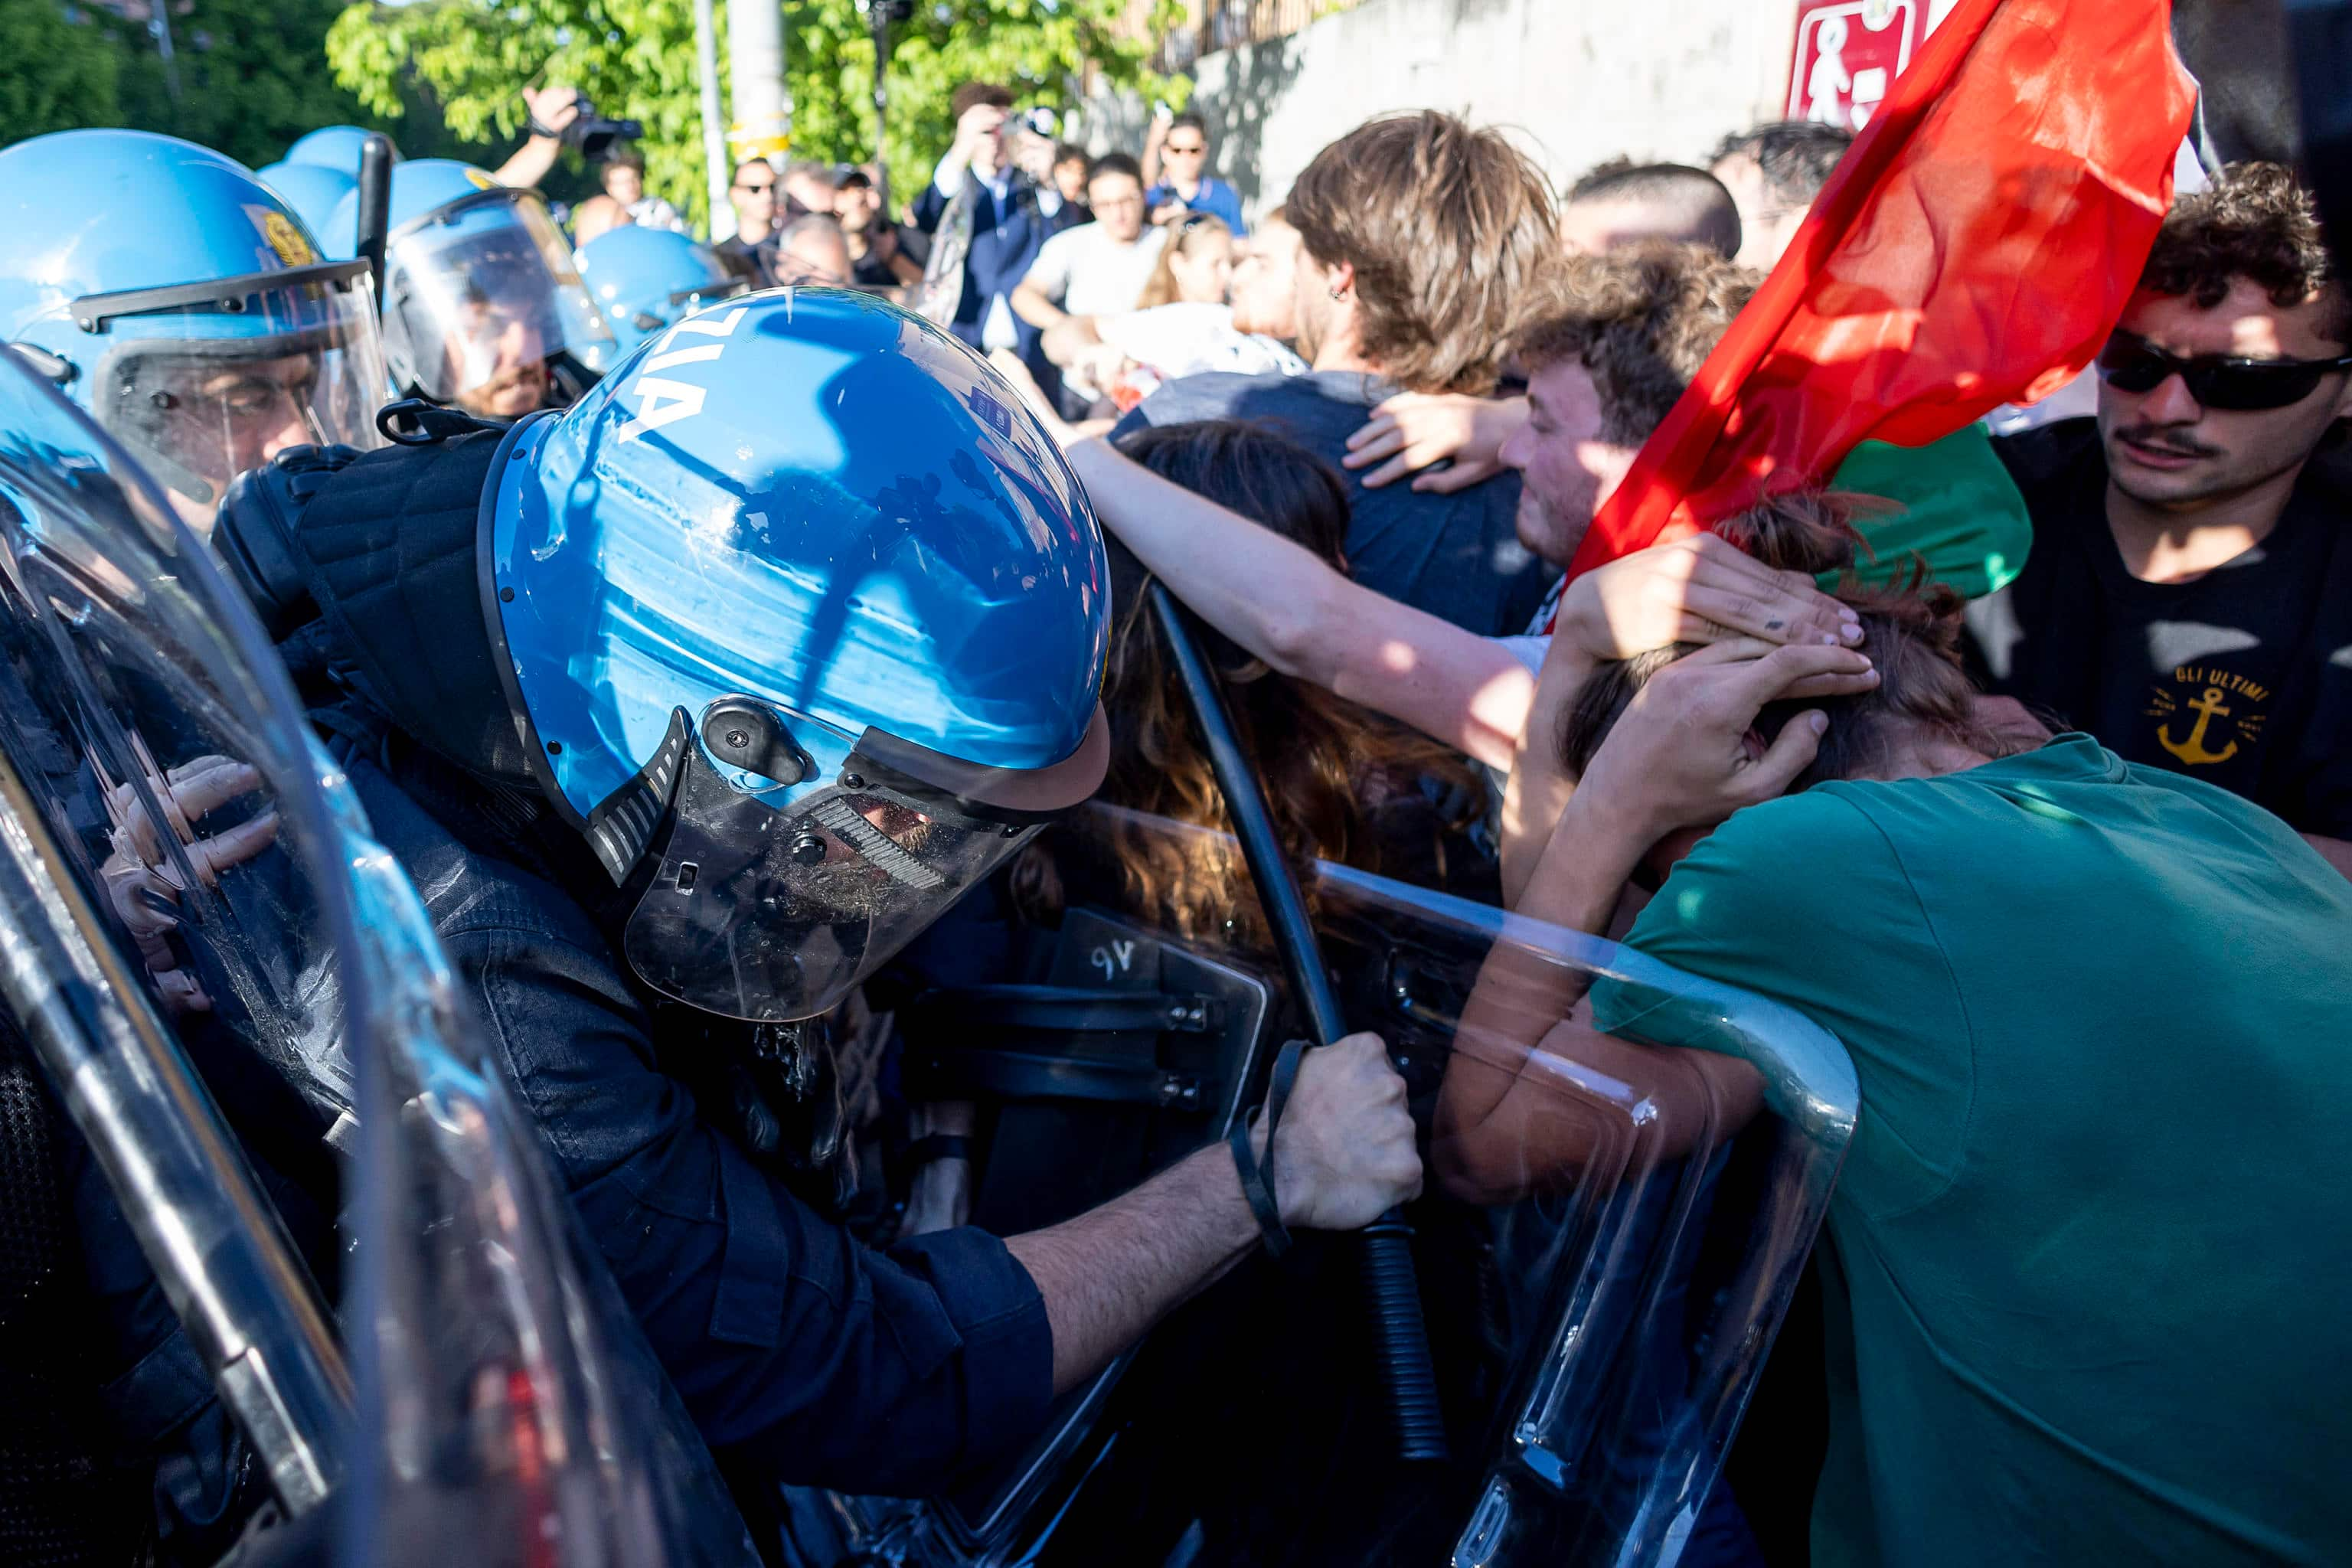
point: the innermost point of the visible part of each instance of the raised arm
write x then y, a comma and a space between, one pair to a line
1290, 609
553, 110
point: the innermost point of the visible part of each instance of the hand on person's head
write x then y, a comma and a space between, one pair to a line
1411, 431
1700, 589
1344, 1153
1685, 753
554, 106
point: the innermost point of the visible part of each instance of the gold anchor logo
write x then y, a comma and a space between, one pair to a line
2192, 751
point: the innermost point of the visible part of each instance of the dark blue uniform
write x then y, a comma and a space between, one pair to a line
833, 1364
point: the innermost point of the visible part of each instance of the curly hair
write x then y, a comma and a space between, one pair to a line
2257, 223
1643, 320
1911, 627
1446, 226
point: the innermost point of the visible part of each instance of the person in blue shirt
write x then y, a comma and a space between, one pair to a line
1176, 168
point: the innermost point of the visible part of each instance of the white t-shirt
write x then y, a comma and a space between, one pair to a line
1190, 338
1088, 273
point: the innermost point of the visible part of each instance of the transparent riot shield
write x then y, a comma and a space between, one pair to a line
1611, 1235
225, 981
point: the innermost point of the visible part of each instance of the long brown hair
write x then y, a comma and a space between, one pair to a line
1161, 289
1327, 767
1911, 631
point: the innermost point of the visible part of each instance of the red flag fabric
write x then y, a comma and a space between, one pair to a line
1974, 247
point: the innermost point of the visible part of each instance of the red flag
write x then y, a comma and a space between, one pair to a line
1974, 247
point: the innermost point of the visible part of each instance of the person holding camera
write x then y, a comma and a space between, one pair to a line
986, 227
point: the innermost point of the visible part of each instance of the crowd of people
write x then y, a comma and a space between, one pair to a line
2022, 764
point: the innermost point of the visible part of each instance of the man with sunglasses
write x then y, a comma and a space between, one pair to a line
1176, 168
753, 197
2188, 597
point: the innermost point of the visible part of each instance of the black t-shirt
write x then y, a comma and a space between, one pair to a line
743, 258
2242, 678
913, 243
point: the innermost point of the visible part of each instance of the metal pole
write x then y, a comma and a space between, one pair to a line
375, 207
763, 104
1401, 1337
878, 12
159, 27
721, 172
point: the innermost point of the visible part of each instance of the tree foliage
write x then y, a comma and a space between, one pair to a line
55, 74
635, 59
249, 76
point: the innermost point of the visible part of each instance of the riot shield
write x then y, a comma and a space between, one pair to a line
224, 979
1613, 1226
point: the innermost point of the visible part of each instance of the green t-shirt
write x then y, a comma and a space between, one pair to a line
1960, 513
2091, 1272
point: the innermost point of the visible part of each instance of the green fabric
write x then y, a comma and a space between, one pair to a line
1961, 514
2093, 1241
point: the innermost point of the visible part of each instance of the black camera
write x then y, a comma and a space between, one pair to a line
592, 133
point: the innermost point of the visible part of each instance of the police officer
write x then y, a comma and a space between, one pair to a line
645, 279
482, 308
686, 709
182, 303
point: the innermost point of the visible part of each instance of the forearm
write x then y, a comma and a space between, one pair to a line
529, 163
1031, 305
1540, 787
1111, 1273
1287, 608
1523, 993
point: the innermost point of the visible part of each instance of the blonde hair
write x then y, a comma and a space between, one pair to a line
1161, 289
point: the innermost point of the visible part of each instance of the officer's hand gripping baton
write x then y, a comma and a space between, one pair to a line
1388, 1257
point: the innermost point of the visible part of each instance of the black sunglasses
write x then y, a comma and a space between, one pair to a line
757, 190
2131, 363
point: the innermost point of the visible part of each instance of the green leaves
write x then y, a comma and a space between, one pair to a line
635, 59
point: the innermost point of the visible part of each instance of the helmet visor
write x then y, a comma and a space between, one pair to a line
200, 393
772, 910
481, 296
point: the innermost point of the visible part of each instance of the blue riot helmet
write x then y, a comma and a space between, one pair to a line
312, 190
334, 147
643, 279
482, 305
178, 299
798, 617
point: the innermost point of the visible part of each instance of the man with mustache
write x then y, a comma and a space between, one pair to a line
2188, 597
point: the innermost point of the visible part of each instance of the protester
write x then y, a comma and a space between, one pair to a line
2189, 600
623, 179
1420, 237
1623, 202
1773, 173
1608, 345
882, 253
1266, 279
752, 195
1100, 267
977, 204
1071, 166
1175, 167
810, 249
2052, 1331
